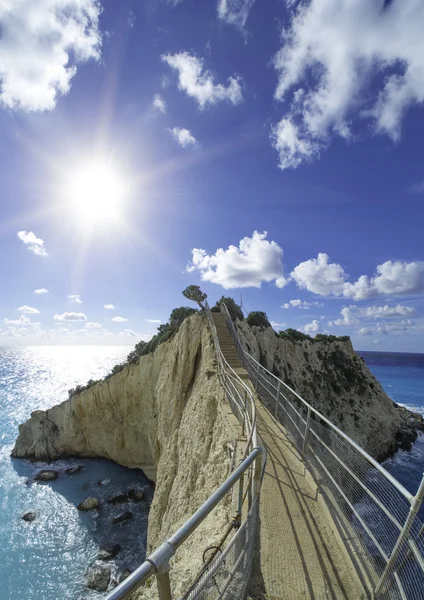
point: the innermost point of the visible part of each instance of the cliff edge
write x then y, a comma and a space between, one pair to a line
335, 380
165, 415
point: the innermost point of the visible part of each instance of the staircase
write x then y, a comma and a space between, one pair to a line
297, 556
227, 346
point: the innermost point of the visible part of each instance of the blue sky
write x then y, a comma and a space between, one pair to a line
274, 153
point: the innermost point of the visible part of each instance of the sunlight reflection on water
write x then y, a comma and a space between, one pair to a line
47, 559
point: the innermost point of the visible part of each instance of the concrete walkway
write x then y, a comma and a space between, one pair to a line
299, 555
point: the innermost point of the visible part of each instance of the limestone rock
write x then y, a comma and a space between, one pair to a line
89, 504
29, 516
108, 552
164, 415
135, 495
118, 499
98, 577
125, 573
74, 470
335, 380
123, 518
46, 475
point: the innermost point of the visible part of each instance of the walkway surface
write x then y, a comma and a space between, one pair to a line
298, 555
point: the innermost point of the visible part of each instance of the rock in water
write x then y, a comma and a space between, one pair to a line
118, 499
135, 495
28, 516
126, 573
126, 516
74, 470
89, 504
108, 552
98, 577
46, 475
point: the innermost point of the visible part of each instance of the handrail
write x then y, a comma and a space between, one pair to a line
396, 538
341, 433
159, 559
157, 564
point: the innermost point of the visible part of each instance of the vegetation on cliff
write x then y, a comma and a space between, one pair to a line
165, 332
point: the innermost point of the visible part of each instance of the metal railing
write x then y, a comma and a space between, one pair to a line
376, 513
227, 574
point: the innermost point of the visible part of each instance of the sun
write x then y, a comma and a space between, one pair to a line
96, 193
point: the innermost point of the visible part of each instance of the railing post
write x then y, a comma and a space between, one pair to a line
257, 378
257, 473
415, 507
305, 437
164, 585
277, 399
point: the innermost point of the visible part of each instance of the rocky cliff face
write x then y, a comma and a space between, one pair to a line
335, 380
164, 415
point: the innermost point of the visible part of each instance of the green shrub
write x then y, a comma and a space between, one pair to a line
294, 335
258, 318
165, 332
233, 308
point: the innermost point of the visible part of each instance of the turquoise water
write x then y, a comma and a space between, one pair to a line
47, 559
402, 377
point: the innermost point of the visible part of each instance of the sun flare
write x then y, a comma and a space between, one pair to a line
96, 192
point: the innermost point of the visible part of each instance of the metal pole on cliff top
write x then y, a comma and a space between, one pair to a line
307, 426
415, 507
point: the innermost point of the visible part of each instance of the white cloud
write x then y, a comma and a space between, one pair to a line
302, 304
254, 261
393, 277
335, 53
312, 328
389, 311
275, 325
363, 331
28, 310
41, 44
395, 328
75, 298
199, 83
92, 325
41, 291
184, 137
119, 319
23, 320
129, 332
165, 82
109, 306
319, 276
35, 244
235, 12
70, 316
131, 19
293, 148
347, 320
159, 104
153, 320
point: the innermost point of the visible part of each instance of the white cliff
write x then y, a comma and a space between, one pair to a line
165, 415
335, 380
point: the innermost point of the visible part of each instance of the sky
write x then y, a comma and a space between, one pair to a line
269, 150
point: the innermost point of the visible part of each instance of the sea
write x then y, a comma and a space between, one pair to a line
47, 559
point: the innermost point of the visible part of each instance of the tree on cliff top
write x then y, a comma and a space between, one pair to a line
194, 293
258, 318
233, 308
